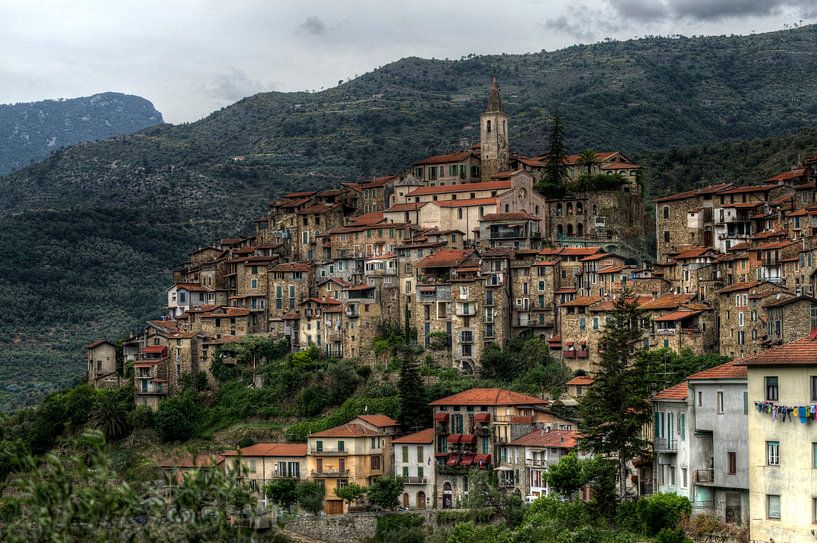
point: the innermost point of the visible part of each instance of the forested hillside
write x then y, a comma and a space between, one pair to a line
32, 131
91, 233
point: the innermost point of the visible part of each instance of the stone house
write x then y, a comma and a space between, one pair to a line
743, 321
362, 315
312, 321
580, 332
468, 429
100, 364
150, 376
375, 194
522, 464
228, 321
450, 169
289, 284
262, 463
517, 230
789, 318
183, 296
414, 462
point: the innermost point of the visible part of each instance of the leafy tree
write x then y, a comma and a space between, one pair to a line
351, 492
343, 381
615, 409
484, 493
283, 491
313, 400
385, 492
110, 415
565, 476
414, 411
175, 417
310, 496
663, 510
79, 401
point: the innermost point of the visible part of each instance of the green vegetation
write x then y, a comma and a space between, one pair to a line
414, 412
399, 528
283, 492
113, 216
385, 492
35, 129
310, 496
350, 493
615, 409
526, 365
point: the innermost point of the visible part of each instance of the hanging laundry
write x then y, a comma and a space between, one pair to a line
803, 413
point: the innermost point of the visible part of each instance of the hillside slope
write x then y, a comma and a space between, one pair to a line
91, 232
31, 131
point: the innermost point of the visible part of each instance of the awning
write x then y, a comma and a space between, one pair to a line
468, 439
454, 438
482, 460
503, 468
568, 343
144, 364
467, 460
427, 290
453, 460
582, 342
441, 417
482, 417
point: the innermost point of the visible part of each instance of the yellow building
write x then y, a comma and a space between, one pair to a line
356, 452
262, 463
782, 384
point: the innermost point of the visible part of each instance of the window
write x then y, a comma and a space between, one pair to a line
405, 472
700, 399
375, 462
341, 446
814, 455
773, 453
682, 425
684, 477
773, 506
405, 451
731, 462
745, 403
319, 446
420, 455
771, 388
813, 388
720, 403
582, 323
666, 236
254, 283
420, 472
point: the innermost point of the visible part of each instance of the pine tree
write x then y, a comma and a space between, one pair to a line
615, 409
555, 173
413, 408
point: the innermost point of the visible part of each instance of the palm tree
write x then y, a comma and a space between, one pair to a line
589, 159
109, 415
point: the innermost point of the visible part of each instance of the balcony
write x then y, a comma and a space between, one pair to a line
353, 312
465, 310
415, 480
330, 472
690, 331
705, 476
506, 483
663, 444
569, 354
328, 451
665, 332
537, 462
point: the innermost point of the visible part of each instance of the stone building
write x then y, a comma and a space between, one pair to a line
493, 136
100, 364
789, 318
741, 306
262, 463
289, 285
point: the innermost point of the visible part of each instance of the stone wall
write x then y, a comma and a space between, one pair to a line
347, 528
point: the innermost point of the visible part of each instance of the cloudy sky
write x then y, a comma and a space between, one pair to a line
190, 57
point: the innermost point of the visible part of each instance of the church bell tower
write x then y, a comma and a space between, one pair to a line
493, 135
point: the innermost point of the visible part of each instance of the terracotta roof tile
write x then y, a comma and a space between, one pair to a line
667, 301
380, 421
471, 202
564, 439
423, 436
367, 219
489, 396
405, 207
712, 189
349, 429
270, 449
730, 370
674, 393
582, 380
514, 216
465, 187
797, 353
445, 258
677, 316
458, 156
293, 267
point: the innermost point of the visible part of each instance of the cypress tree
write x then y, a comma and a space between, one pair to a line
555, 173
615, 409
413, 408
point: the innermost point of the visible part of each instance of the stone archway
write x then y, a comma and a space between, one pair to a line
421, 500
405, 500
448, 496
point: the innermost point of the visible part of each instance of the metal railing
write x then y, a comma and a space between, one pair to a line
666, 444
705, 475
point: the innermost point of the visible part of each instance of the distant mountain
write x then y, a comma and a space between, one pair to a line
88, 235
31, 131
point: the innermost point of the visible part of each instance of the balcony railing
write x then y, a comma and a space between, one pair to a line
328, 451
506, 483
666, 444
537, 462
705, 475
329, 472
415, 480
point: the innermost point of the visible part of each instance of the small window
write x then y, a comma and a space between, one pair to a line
720, 403
773, 506
773, 453
771, 389
814, 388
700, 399
731, 462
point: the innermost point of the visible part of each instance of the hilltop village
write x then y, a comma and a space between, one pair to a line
462, 250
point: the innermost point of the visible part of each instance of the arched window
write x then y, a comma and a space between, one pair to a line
559, 229
488, 125
569, 209
507, 208
558, 210
569, 229
579, 208
421, 500
580, 230
536, 211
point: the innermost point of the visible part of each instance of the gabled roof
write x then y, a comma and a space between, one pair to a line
465, 187
704, 191
730, 370
581, 380
445, 258
379, 421
459, 156
801, 352
349, 429
98, 343
471, 202
564, 439
693, 252
674, 393
667, 301
293, 267
791, 300
323, 300
677, 316
747, 190
737, 287
423, 436
513, 216
367, 219
270, 449
489, 396
405, 207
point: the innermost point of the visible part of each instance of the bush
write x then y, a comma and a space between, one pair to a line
142, 417
313, 401
310, 496
175, 418
627, 517
661, 511
671, 535
245, 441
399, 527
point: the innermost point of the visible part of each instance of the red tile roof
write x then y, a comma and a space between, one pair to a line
563, 439
367, 219
405, 207
785, 176
471, 202
513, 216
677, 316
489, 396
581, 380
673, 393
444, 159
737, 287
423, 436
270, 449
377, 182
293, 267
712, 189
800, 352
154, 349
445, 258
579, 251
227, 312
465, 187
667, 301
347, 430
747, 190
192, 287
730, 370
380, 421
97, 343
692, 252
582, 301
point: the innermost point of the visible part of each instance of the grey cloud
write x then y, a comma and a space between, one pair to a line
234, 85
641, 10
580, 26
703, 10
313, 25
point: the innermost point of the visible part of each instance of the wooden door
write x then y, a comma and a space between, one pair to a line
333, 507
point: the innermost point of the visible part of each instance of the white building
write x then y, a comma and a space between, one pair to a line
414, 462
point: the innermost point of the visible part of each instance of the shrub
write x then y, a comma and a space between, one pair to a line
399, 527
671, 535
142, 417
310, 496
627, 517
245, 441
661, 511
174, 419
313, 400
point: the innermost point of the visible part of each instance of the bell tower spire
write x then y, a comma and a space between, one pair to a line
493, 135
